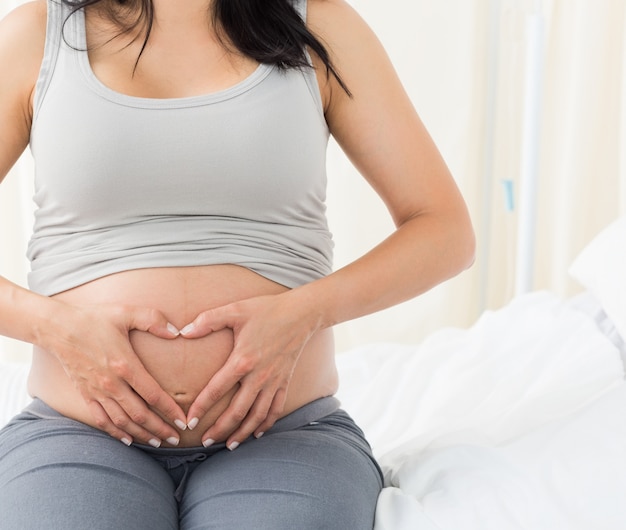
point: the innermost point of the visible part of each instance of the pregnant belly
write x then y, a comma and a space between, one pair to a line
181, 366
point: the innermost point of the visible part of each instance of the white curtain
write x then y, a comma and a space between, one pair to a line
464, 64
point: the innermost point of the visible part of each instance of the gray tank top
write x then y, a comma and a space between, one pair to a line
237, 176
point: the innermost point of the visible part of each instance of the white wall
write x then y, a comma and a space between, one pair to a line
462, 62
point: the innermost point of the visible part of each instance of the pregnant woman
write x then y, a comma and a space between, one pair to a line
182, 295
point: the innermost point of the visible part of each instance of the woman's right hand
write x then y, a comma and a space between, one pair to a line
93, 345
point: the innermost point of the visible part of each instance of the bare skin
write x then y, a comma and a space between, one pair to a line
182, 366
109, 353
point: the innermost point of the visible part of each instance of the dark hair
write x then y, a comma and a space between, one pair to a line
269, 32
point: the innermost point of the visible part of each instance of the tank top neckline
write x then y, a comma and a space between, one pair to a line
80, 33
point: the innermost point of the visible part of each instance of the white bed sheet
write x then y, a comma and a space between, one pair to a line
516, 423
13, 394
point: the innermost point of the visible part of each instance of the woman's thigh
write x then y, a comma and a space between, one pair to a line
320, 476
59, 473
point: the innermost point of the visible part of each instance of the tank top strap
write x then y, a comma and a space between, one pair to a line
309, 73
300, 7
54, 37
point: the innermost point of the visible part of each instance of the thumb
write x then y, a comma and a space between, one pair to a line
208, 322
152, 321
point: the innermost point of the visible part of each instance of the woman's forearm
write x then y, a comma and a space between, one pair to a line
25, 315
93, 346
423, 252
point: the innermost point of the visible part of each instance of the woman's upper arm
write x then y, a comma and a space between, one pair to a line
378, 127
22, 38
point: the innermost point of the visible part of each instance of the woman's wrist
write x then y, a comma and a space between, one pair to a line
314, 302
54, 324
28, 316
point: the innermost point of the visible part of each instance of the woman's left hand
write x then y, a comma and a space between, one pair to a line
269, 332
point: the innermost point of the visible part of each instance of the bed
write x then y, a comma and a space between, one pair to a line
518, 422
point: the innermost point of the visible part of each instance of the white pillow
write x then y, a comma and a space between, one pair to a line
601, 268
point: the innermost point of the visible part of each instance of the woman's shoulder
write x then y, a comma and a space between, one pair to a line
22, 43
23, 35
342, 29
27, 19
328, 15
355, 51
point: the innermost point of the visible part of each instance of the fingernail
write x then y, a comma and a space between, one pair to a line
126, 441
154, 442
208, 442
172, 329
187, 329
172, 440
180, 424
192, 423
257, 436
233, 446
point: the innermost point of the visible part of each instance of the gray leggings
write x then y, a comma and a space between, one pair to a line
313, 469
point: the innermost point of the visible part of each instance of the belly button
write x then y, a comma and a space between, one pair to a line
183, 399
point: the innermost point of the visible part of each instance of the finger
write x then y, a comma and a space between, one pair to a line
275, 412
256, 417
154, 396
124, 422
124, 414
152, 321
220, 384
209, 322
231, 419
104, 423
131, 414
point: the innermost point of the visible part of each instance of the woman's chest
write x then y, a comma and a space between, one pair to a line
257, 148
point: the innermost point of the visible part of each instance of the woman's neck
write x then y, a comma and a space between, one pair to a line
125, 26
183, 15
167, 15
